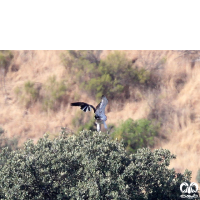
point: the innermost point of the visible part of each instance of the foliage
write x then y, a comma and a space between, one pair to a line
28, 94
81, 122
53, 93
1, 130
198, 176
90, 125
109, 76
136, 134
50, 94
10, 143
5, 59
142, 75
87, 166
29, 89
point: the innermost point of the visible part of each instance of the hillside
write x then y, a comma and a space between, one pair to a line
172, 99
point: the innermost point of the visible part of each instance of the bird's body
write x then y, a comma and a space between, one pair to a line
99, 111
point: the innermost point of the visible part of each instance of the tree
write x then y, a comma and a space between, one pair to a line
89, 165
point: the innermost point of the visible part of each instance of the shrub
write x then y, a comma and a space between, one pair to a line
87, 166
136, 134
28, 94
1, 131
31, 91
82, 122
90, 125
10, 143
5, 59
109, 76
50, 94
53, 93
99, 86
142, 75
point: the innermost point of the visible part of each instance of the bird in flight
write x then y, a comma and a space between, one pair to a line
99, 111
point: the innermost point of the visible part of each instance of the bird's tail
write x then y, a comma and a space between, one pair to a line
105, 126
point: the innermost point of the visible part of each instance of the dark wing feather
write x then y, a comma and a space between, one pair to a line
83, 106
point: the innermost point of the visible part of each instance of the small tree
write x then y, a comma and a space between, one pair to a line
87, 166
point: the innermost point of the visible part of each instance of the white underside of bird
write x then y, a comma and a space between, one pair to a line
99, 122
99, 111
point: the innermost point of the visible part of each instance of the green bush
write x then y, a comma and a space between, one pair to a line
1, 131
87, 166
83, 122
50, 94
53, 93
136, 134
99, 86
5, 59
28, 94
31, 92
90, 125
10, 143
109, 76
143, 76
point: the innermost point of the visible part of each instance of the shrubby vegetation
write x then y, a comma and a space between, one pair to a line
50, 94
110, 76
53, 93
5, 59
28, 94
83, 122
87, 166
136, 134
10, 143
120, 78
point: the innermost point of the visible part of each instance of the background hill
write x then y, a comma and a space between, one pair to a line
38, 86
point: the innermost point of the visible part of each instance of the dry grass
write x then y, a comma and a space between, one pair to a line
176, 102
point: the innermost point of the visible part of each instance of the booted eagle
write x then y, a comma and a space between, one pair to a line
99, 111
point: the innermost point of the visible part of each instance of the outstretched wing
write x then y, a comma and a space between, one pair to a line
83, 106
100, 109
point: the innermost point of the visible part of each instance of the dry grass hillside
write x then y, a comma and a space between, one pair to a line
175, 103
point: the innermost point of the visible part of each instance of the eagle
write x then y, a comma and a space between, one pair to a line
99, 111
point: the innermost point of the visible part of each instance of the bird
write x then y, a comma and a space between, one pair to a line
99, 111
